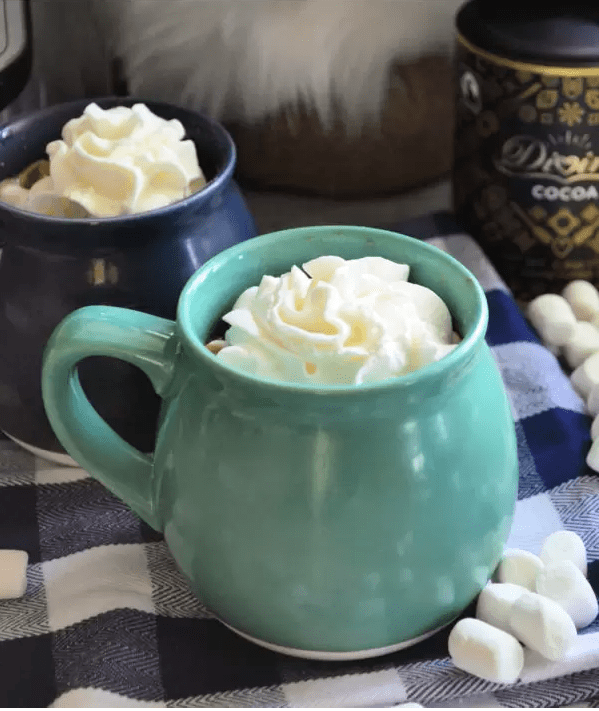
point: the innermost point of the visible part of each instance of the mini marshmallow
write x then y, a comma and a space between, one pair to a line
483, 650
519, 568
553, 318
595, 428
542, 625
583, 342
564, 545
495, 604
216, 346
592, 458
583, 298
586, 375
565, 584
593, 401
13, 573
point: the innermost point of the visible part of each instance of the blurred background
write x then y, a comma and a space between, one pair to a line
294, 168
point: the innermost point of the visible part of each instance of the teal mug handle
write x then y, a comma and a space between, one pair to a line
146, 341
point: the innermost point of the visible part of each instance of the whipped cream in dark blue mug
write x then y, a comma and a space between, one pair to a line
51, 266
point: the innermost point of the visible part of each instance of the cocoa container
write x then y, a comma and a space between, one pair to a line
526, 163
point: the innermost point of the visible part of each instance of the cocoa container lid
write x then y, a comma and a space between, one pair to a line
551, 32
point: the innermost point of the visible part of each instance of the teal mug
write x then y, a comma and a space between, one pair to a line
329, 522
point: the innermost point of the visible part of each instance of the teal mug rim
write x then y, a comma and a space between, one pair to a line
456, 358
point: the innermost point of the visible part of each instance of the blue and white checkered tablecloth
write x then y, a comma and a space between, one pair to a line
107, 620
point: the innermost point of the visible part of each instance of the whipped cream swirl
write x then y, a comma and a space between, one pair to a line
337, 322
112, 162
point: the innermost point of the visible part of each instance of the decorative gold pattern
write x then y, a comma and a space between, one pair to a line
572, 87
560, 230
533, 202
529, 91
570, 113
592, 98
548, 80
547, 98
100, 273
593, 243
563, 222
590, 213
538, 213
524, 77
527, 66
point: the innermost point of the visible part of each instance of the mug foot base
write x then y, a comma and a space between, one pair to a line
56, 457
336, 656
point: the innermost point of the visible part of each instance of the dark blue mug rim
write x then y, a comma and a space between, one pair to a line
214, 185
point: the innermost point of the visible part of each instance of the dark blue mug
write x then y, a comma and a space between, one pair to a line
51, 266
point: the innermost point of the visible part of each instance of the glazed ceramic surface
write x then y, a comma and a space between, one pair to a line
52, 266
332, 520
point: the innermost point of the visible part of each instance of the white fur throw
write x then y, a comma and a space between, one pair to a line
240, 59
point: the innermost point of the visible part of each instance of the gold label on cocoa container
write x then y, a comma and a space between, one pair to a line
526, 172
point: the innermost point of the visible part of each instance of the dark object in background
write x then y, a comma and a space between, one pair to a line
411, 146
15, 49
52, 266
526, 173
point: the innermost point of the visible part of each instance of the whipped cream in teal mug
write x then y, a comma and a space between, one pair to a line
337, 321
324, 520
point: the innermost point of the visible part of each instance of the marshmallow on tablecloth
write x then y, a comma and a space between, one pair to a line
592, 458
542, 625
544, 621
564, 545
519, 568
495, 602
586, 375
13, 573
485, 651
553, 318
593, 401
582, 344
565, 584
583, 298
